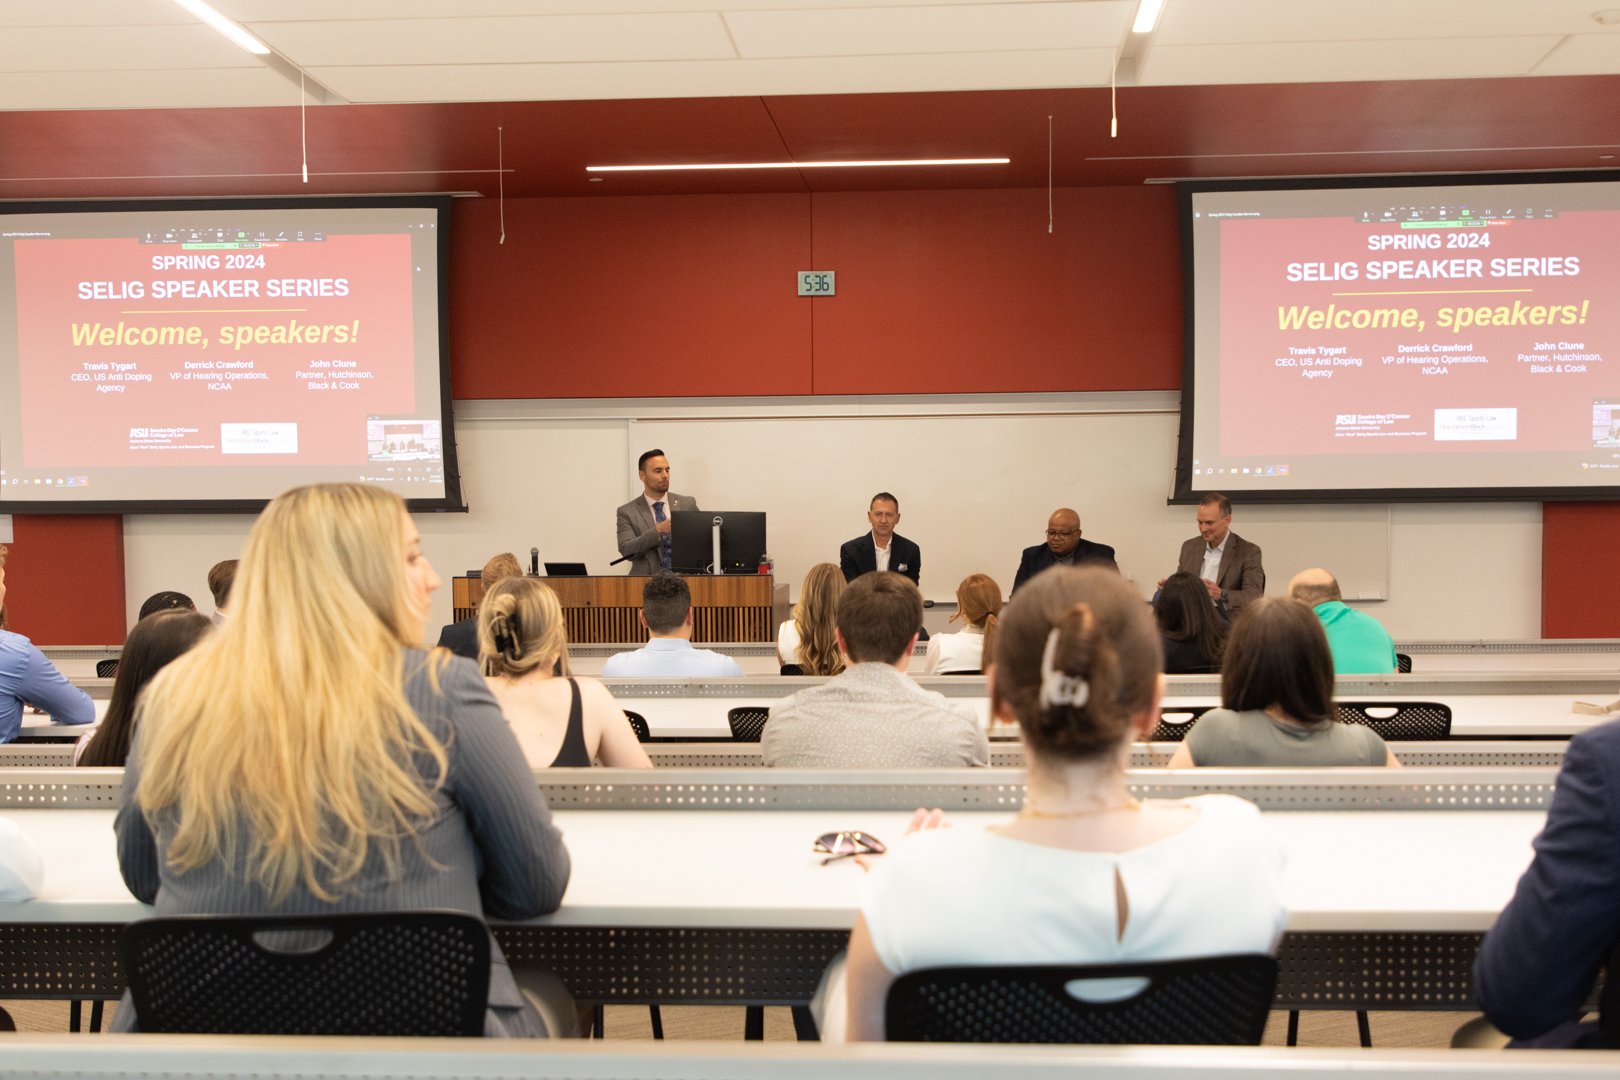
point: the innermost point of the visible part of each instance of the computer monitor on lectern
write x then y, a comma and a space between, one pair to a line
742, 540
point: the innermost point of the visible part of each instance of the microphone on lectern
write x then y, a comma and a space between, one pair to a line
534, 561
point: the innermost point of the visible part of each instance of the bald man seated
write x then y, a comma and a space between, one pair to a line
1064, 547
1360, 644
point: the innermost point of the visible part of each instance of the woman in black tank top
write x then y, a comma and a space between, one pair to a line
522, 649
573, 754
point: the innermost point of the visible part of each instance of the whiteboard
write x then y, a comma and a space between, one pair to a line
974, 491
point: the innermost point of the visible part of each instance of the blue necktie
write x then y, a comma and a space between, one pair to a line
664, 540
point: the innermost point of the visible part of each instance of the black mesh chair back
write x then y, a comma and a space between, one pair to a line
638, 724
1218, 1000
1403, 663
791, 669
1400, 721
1175, 721
107, 669
388, 973
747, 721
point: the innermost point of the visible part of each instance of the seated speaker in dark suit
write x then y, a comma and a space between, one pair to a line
1064, 547
882, 548
461, 638
1228, 564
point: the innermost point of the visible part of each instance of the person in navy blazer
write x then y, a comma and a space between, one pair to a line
1539, 962
1064, 546
860, 555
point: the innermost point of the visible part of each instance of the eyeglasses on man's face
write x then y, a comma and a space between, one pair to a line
1061, 533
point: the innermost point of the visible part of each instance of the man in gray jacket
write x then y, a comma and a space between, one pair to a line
644, 523
874, 716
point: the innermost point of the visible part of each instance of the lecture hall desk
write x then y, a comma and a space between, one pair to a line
732, 906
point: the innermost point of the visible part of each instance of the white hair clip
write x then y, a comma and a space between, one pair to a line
1056, 687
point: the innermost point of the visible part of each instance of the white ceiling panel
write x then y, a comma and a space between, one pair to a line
92, 13
115, 48
944, 29
1343, 61
540, 39
722, 78
1584, 54
343, 10
191, 89
1219, 22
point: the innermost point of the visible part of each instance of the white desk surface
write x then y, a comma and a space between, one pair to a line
1488, 715
1477, 715
1347, 870
702, 718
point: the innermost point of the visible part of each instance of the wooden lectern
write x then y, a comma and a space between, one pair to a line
602, 610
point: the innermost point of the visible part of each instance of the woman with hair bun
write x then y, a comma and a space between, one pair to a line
559, 722
1085, 873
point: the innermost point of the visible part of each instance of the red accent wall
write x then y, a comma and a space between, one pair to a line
65, 579
967, 292
1579, 578
663, 296
938, 292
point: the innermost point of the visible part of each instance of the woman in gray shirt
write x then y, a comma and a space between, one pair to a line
307, 759
1277, 699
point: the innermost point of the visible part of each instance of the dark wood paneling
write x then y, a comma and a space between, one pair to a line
602, 610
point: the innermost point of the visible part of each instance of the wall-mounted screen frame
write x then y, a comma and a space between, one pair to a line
429, 313
1392, 210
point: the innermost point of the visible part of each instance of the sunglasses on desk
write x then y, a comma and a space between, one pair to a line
842, 845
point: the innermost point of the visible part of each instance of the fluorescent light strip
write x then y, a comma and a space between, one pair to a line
800, 164
1146, 16
225, 26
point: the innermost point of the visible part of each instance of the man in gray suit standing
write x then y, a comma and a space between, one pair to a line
644, 523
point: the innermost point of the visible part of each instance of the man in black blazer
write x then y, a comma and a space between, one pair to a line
882, 548
1064, 547
461, 637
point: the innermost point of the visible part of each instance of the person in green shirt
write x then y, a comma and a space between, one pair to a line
1359, 642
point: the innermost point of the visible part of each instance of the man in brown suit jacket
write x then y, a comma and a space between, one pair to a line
1228, 564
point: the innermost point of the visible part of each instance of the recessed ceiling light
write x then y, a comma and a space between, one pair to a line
596, 179
1146, 16
799, 164
225, 26
1608, 16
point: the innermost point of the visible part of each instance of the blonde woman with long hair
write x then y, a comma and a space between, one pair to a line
978, 605
559, 722
807, 640
310, 758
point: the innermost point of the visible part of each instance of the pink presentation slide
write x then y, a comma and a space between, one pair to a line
141, 354
1339, 337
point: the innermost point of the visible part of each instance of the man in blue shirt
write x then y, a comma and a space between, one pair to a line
27, 677
1359, 642
666, 612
